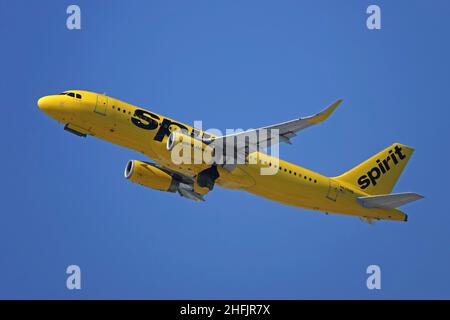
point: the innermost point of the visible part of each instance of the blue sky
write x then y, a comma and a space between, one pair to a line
232, 64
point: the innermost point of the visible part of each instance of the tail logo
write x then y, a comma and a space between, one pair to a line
382, 167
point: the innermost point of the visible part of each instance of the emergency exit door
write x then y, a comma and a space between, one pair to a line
333, 190
102, 104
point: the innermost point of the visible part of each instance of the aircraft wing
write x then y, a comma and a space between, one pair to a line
265, 135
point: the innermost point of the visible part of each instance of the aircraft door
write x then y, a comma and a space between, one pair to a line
102, 104
333, 190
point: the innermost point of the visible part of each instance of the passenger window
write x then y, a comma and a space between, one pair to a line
71, 94
78, 96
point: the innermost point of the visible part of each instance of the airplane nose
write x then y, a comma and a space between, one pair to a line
43, 103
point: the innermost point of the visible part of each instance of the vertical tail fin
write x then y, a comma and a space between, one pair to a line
379, 174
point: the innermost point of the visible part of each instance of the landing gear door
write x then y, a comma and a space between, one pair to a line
102, 104
333, 190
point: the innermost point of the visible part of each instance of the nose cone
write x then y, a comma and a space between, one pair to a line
44, 103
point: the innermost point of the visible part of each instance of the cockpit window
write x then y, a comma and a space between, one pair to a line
71, 94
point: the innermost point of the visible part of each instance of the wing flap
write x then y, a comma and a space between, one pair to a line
188, 192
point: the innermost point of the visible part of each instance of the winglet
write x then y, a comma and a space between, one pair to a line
324, 114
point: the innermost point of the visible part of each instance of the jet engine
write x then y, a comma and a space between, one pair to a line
177, 137
150, 176
188, 150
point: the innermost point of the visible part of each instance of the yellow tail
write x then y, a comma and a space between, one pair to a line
379, 174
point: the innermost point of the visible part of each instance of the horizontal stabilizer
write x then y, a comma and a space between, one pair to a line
389, 201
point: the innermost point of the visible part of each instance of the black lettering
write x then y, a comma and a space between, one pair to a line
398, 151
394, 158
363, 182
380, 165
386, 163
144, 119
383, 167
373, 175
164, 130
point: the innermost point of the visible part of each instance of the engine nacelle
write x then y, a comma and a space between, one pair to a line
189, 150
177, 137
150, 176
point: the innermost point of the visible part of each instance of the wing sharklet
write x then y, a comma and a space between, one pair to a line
324, 114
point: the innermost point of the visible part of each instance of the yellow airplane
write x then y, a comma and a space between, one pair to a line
364, 191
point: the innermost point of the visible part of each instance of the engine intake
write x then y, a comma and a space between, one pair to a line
189, 150
177, 137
